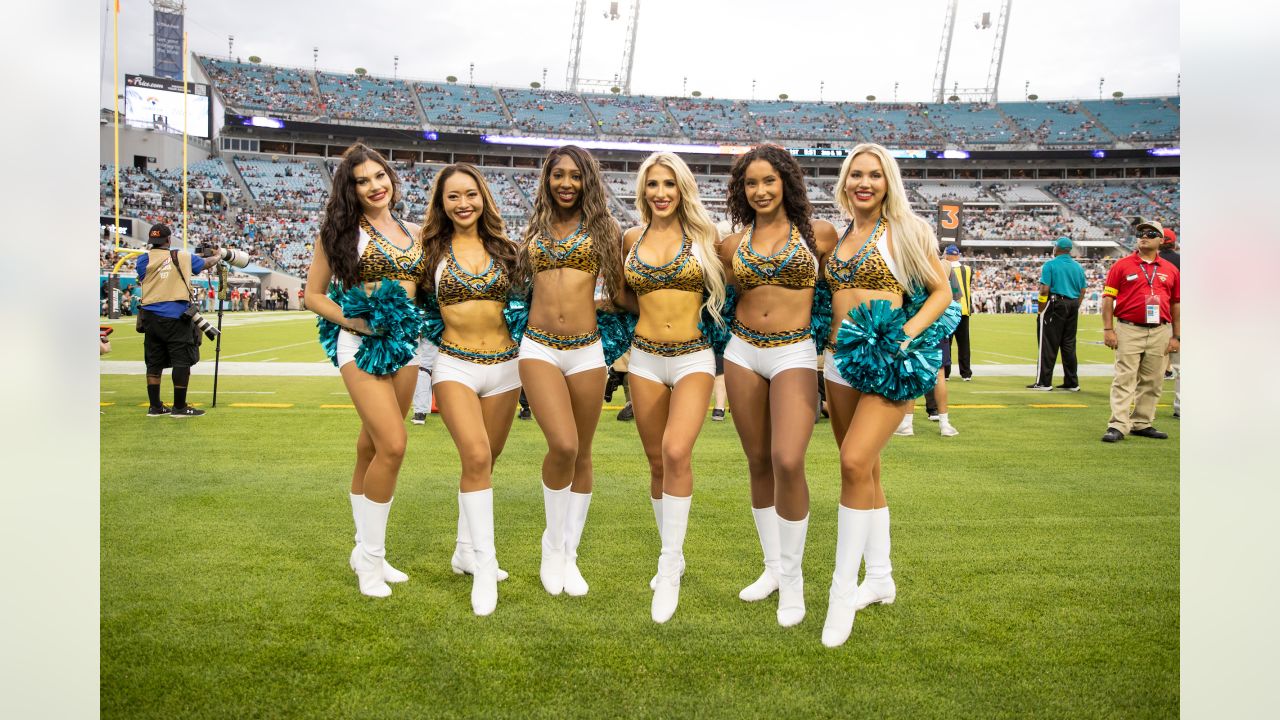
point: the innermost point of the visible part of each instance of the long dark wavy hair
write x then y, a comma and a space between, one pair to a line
795, 199
340, 227
606, 237
437, 228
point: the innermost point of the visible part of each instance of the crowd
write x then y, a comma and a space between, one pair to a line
352, 97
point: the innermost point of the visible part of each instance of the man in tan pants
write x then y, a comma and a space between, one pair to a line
1140, 321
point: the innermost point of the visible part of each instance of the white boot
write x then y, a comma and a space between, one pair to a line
877, 586
657, 515
463, 561
767, 528
576, 519
945, 427
675, 522
851, 538
551, 572
791, 535
478, 507
905, 428
368, 558
389, 573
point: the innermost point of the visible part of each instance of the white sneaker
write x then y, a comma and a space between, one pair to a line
933, 417
947, 430
904, 428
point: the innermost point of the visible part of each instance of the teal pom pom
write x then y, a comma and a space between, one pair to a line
616, 331
433, 322
868, 354
393, 318
820, 315
717, 333
516, 313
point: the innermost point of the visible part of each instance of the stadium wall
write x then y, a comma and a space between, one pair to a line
166, 148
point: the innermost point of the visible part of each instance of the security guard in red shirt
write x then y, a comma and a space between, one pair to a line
1140, 321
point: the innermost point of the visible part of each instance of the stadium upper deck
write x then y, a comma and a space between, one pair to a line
299, 94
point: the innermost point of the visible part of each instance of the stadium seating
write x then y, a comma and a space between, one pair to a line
785, 120
891, 124
1149, 119
968, 124
1060, 123
537, 111
356, 97
450, 105
211, 174
705, 119
277, 90
630, 115
293, 184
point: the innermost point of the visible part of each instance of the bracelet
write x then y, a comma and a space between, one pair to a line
1044, 298
1110, 329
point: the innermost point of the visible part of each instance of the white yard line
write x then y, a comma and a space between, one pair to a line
270, 349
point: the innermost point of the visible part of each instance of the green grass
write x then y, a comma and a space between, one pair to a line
1037, 570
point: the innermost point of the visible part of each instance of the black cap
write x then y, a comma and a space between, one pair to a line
159, 234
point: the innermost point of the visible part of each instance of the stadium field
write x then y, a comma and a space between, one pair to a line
1037, 568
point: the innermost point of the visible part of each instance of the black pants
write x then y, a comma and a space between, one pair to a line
1057, 331
962, 350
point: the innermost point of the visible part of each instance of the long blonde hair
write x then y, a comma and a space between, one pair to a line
694, 220
915, 243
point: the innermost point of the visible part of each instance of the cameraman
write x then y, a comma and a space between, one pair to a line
171, 338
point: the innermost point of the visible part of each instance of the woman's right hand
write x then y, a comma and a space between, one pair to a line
358, 326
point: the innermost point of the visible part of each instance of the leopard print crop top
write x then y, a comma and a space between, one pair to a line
380, 258
867, 269
791, 266
575, 251
682, 272
454, 284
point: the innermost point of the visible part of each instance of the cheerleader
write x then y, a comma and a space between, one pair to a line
771, 361
672, 268
570, 240
891, 289
364, 276
475, 377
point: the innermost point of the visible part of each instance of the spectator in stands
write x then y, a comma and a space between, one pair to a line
1141, 319
380, 384
771, 361
570, 240
964, 279
1062, 283
471, 264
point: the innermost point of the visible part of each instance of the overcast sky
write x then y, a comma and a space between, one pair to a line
842, 49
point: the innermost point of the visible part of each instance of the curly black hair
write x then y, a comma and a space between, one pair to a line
795, 199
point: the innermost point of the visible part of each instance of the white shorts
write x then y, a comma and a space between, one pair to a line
830, 372
670, 370
568, 362
767, 362
484, 380
349, 343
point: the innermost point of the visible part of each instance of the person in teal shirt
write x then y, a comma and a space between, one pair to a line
1062, 283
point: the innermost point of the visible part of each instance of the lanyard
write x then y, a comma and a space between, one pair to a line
1151, 279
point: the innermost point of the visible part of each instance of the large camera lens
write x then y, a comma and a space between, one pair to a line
234, 257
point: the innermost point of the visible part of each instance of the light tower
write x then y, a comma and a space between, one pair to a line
572, 78
990, 93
